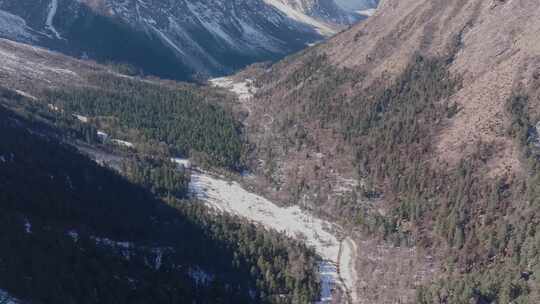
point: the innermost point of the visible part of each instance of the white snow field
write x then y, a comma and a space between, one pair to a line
181, 162
229, 197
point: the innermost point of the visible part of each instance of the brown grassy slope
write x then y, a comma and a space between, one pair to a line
302, 150
29, 68
498, 49
33, 69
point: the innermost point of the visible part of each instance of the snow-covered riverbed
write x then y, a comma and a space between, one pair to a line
230, 197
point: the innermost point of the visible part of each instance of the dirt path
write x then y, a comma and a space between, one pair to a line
346, 268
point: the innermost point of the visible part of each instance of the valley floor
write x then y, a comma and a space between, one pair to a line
337, 269
338, 253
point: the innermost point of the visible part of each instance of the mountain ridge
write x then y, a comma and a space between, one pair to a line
184, 34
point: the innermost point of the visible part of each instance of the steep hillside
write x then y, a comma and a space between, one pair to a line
174, 39
417, 126
74, 230
358, 5
84, 234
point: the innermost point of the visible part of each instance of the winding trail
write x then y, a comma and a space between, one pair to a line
345, 287
346, 261
53, 7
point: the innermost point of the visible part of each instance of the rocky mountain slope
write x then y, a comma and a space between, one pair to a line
174, 39
417, 125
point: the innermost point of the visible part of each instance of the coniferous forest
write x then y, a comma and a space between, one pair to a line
475, 220
85, 234
184, 117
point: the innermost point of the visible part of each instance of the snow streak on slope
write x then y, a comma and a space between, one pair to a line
230, 197
367, 12
50, 18
322, 28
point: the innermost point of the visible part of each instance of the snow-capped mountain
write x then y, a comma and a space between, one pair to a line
205, 37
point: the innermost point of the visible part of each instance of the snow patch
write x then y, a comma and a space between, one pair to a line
102, 135
243, 89
81, 118
53, 7
22, 93
123, 143
54, 108
299, 16
367, 12
182, 162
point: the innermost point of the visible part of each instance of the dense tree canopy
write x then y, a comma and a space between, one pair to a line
76, 232
179, 116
